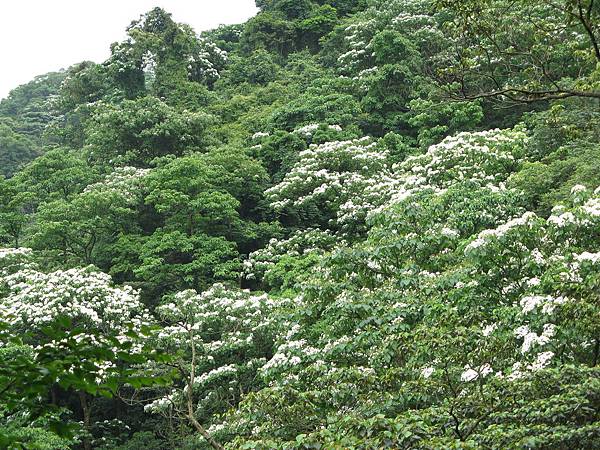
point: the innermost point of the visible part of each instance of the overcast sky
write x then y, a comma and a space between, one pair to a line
39, 36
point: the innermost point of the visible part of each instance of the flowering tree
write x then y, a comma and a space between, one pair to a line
206, 64
486, 158
326, 177
452, 314
77, 313
340, 184
393, 52
431, 265
279, 264
221, 337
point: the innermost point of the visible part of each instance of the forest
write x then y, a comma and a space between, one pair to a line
343, 224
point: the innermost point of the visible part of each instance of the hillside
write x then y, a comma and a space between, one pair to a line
353, 224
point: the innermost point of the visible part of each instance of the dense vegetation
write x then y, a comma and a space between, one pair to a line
343, 224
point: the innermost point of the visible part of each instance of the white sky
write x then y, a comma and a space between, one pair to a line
39, 36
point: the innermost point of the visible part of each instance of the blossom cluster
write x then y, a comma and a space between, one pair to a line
260, 134
483, 159
551, 273
331, 174
107, 316
209, 330
300, 243
528, 220
358, 35
409, 17
124, 181
85, 296
486, 157
353, 181
515, 263
206, 64
309, 130
14, 259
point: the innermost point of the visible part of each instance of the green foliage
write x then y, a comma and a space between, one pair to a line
436, 120
174, 260
316, 107
85, 82
137, 131
29, 106
552, 54
58, 174
269, 32
68, 359
563, 152
318, 24
12, 212
15, 150
430, 280
76, 231
142, 439
259, 68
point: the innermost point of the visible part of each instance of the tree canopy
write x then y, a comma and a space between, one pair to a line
353, 224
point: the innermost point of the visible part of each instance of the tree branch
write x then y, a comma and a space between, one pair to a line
525, 96
585, 19
190, 402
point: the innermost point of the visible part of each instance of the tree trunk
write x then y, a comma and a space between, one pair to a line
54, 394
200, 429
190, 400
87, 445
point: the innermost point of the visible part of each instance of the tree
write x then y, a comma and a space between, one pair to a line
57, 174
29, 107
13, 217
552, 54
206, 65
270, 32
489, 293
68, 328
218, 193
137, 131
285, 262
80, 230
218, 355
327, 181
259, 68
172, 260
160, 57
320, 22
16, 150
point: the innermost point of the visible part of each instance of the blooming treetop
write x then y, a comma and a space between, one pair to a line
124, 181
221, 337
301, 243
330, 175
